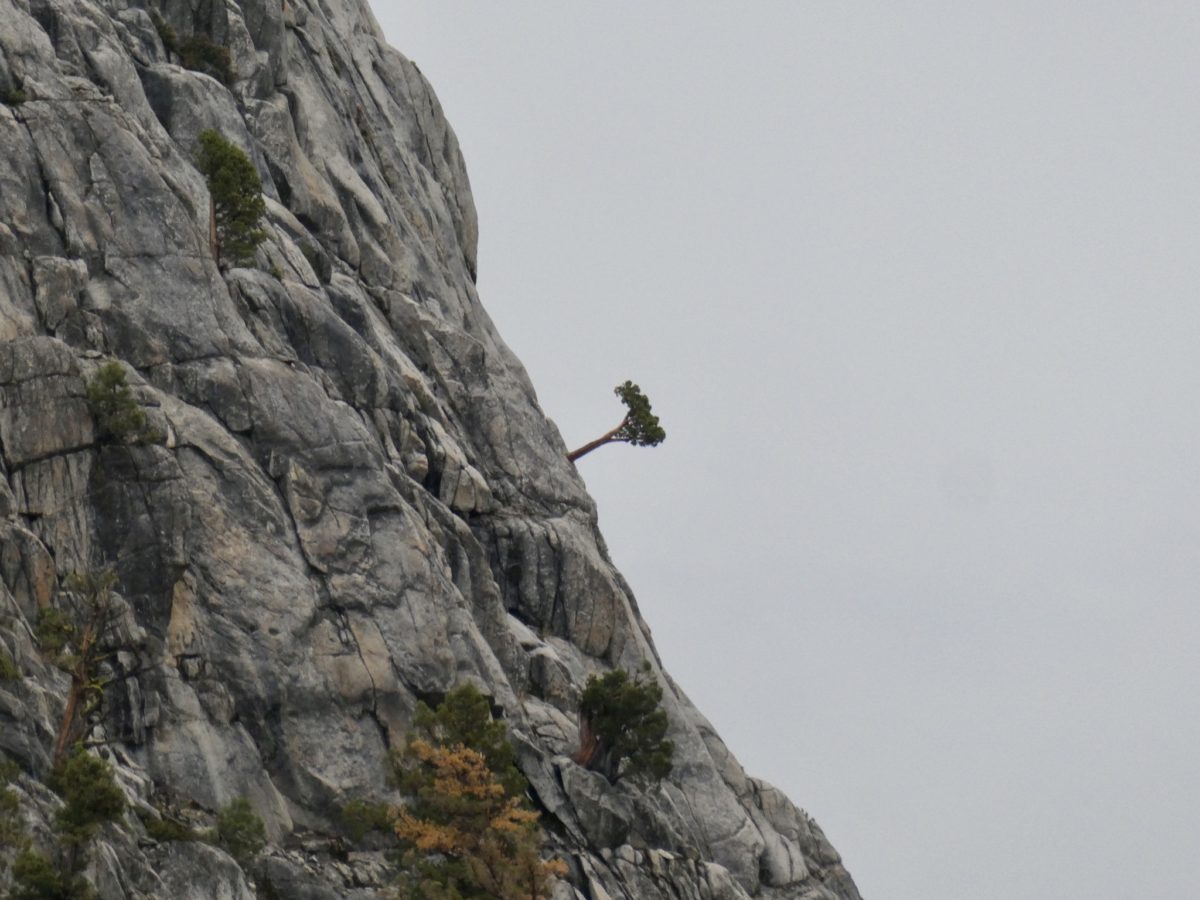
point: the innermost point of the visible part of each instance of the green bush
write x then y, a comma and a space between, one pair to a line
8, 668
362, 818
236, 189
166, 829
622, 721
199, 53
240, 832
35, 877
90, 795
13, 97
118, 414
53, 630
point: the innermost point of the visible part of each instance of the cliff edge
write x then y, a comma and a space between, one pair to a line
357, 503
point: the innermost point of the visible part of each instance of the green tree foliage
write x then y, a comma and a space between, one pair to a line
8, 668
465, 836
362, 818
623, 727
120, 417
240, 832
76, 642
640, 426
90, 797
199, 53
37, 877
237, 203
465, 717
90, 793
164, 828
466, 829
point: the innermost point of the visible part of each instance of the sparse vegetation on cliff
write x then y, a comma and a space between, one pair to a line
623, 727
199, 53
465, 827
237, 202
90, 796
464, 834
74, 640
640, 426
239, 831
110, 399
8, 668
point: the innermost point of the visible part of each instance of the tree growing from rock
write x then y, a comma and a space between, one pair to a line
465, 717
237, 202
76, 643
90, 796
239, 831
623, 727
640, 426
111, 402
465, 835
466, 827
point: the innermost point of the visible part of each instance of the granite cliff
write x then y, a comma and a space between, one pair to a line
357, 503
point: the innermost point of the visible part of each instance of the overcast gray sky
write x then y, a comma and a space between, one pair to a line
914, 288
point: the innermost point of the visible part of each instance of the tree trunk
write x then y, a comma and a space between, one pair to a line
79, 679
598, 442
590, 748
214, 243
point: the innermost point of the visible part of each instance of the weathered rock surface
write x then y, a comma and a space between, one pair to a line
358, 503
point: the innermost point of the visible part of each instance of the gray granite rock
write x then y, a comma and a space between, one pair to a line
357, 502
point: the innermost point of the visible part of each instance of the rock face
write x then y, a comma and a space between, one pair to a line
358, 503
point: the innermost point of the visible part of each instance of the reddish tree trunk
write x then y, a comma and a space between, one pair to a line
590, 748
607, 438
214, 243
68, 727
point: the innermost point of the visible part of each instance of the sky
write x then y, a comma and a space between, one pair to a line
914, 289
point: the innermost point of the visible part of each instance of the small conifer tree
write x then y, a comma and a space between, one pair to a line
118, 414
90, 795
639, 427
623, 727
37, 877
465, 717
466, 828
237, 202
465, 835
240, 832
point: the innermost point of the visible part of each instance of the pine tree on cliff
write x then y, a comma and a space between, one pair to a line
639, 427
623, 727
237, 203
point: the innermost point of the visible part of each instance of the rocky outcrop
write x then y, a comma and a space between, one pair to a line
357, 503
